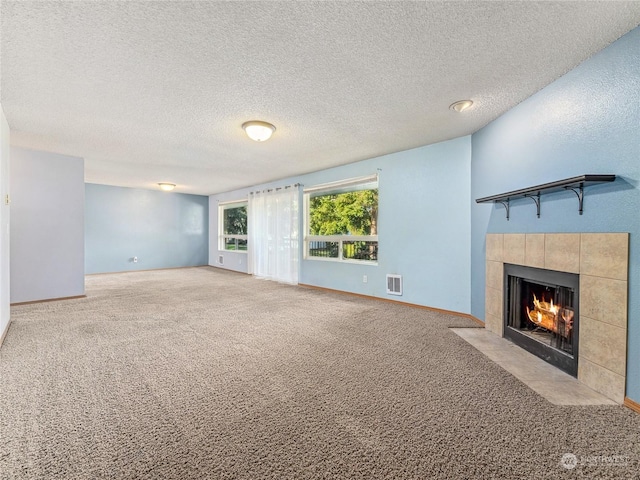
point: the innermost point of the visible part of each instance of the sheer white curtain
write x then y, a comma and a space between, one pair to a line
274, 234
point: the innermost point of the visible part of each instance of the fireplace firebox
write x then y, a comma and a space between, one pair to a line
541, 313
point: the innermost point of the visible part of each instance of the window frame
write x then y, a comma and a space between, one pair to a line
344, 186
222, 237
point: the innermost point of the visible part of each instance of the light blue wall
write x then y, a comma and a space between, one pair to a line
47, 225
423, 220
588, 121
162, 229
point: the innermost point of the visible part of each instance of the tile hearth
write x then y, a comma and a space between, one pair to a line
546, 380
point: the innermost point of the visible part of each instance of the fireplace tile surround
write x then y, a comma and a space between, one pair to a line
601, 260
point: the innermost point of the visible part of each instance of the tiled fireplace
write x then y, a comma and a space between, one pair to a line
601, 262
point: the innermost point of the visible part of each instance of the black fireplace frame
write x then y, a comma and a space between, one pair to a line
552, 278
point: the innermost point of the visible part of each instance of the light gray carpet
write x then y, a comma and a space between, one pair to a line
202, 373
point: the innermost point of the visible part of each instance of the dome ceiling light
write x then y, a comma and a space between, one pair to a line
167, 187
258, 130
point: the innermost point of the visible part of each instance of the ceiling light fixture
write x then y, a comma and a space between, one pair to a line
258, 131
167, 187
461, 105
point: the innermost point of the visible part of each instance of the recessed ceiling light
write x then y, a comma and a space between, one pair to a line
461, 105
258, 130
167, 187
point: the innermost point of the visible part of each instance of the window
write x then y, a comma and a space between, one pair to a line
232, 220
342, 221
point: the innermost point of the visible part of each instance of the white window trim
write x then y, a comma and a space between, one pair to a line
221, 235
343, 186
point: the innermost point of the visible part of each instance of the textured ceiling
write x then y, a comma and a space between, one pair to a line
157, 91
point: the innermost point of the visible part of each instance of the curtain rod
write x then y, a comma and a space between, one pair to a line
267, 190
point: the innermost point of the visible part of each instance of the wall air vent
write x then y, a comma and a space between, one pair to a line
394, 284
220, 259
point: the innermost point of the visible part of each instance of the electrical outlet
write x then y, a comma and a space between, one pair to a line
135, 259
365, 279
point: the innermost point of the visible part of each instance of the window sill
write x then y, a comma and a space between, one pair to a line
337, 260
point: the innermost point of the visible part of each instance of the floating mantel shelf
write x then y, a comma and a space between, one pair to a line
575, 184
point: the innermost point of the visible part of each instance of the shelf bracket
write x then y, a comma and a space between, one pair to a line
579, 191
536, 200
505, 203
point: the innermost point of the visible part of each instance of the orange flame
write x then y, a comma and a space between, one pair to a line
545, 315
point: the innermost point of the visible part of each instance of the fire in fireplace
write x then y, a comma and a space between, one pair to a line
541, 314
